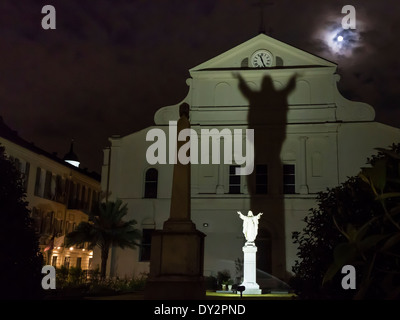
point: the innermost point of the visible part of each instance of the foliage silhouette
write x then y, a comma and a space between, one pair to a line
357, 223
21, 260
105, 229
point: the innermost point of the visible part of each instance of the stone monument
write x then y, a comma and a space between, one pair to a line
177, 251
250, 230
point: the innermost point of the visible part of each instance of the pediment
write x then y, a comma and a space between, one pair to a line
283, 55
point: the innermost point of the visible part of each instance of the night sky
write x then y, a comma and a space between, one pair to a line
110, 64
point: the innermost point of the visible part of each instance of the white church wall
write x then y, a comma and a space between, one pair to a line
127, 182
321, 167
301, 94
313, 87
322, 146
314, 153
223, 227
205, 177
223, 242
129, 165
296, 210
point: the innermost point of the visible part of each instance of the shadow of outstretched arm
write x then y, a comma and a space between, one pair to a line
244, 88
291, 85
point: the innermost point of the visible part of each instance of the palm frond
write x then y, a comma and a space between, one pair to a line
84, 232
106, 227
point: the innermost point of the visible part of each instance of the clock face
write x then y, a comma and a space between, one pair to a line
261, 59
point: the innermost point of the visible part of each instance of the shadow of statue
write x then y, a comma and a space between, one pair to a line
267, 115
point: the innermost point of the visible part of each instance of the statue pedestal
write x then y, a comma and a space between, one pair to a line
176, 267
249, 270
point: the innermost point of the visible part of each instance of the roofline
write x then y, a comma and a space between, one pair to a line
13, 137
261, 35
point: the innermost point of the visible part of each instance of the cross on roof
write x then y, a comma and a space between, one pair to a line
262, 4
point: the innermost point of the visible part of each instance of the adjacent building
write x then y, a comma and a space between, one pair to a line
59, 196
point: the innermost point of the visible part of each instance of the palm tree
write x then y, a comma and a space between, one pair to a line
105, 229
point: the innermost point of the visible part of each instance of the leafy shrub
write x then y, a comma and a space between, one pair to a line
223, 276
73, 283
356, 223
76, 276
61, 276
21, 260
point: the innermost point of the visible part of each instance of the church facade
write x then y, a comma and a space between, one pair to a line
307, 138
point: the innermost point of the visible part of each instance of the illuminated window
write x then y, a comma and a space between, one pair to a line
78, 262
151, 183
289, 179
67, 261
261, 179
54, 261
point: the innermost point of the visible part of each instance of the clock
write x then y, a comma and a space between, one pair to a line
261, 59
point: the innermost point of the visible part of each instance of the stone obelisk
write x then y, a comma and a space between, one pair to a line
177, 251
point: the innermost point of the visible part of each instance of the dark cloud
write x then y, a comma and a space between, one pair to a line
110, 64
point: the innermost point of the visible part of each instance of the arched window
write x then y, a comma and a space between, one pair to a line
151, 182
222, 94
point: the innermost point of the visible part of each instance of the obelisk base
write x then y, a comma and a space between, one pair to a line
249, 269
176, 266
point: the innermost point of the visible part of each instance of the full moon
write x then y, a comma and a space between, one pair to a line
339, 41
335, 41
